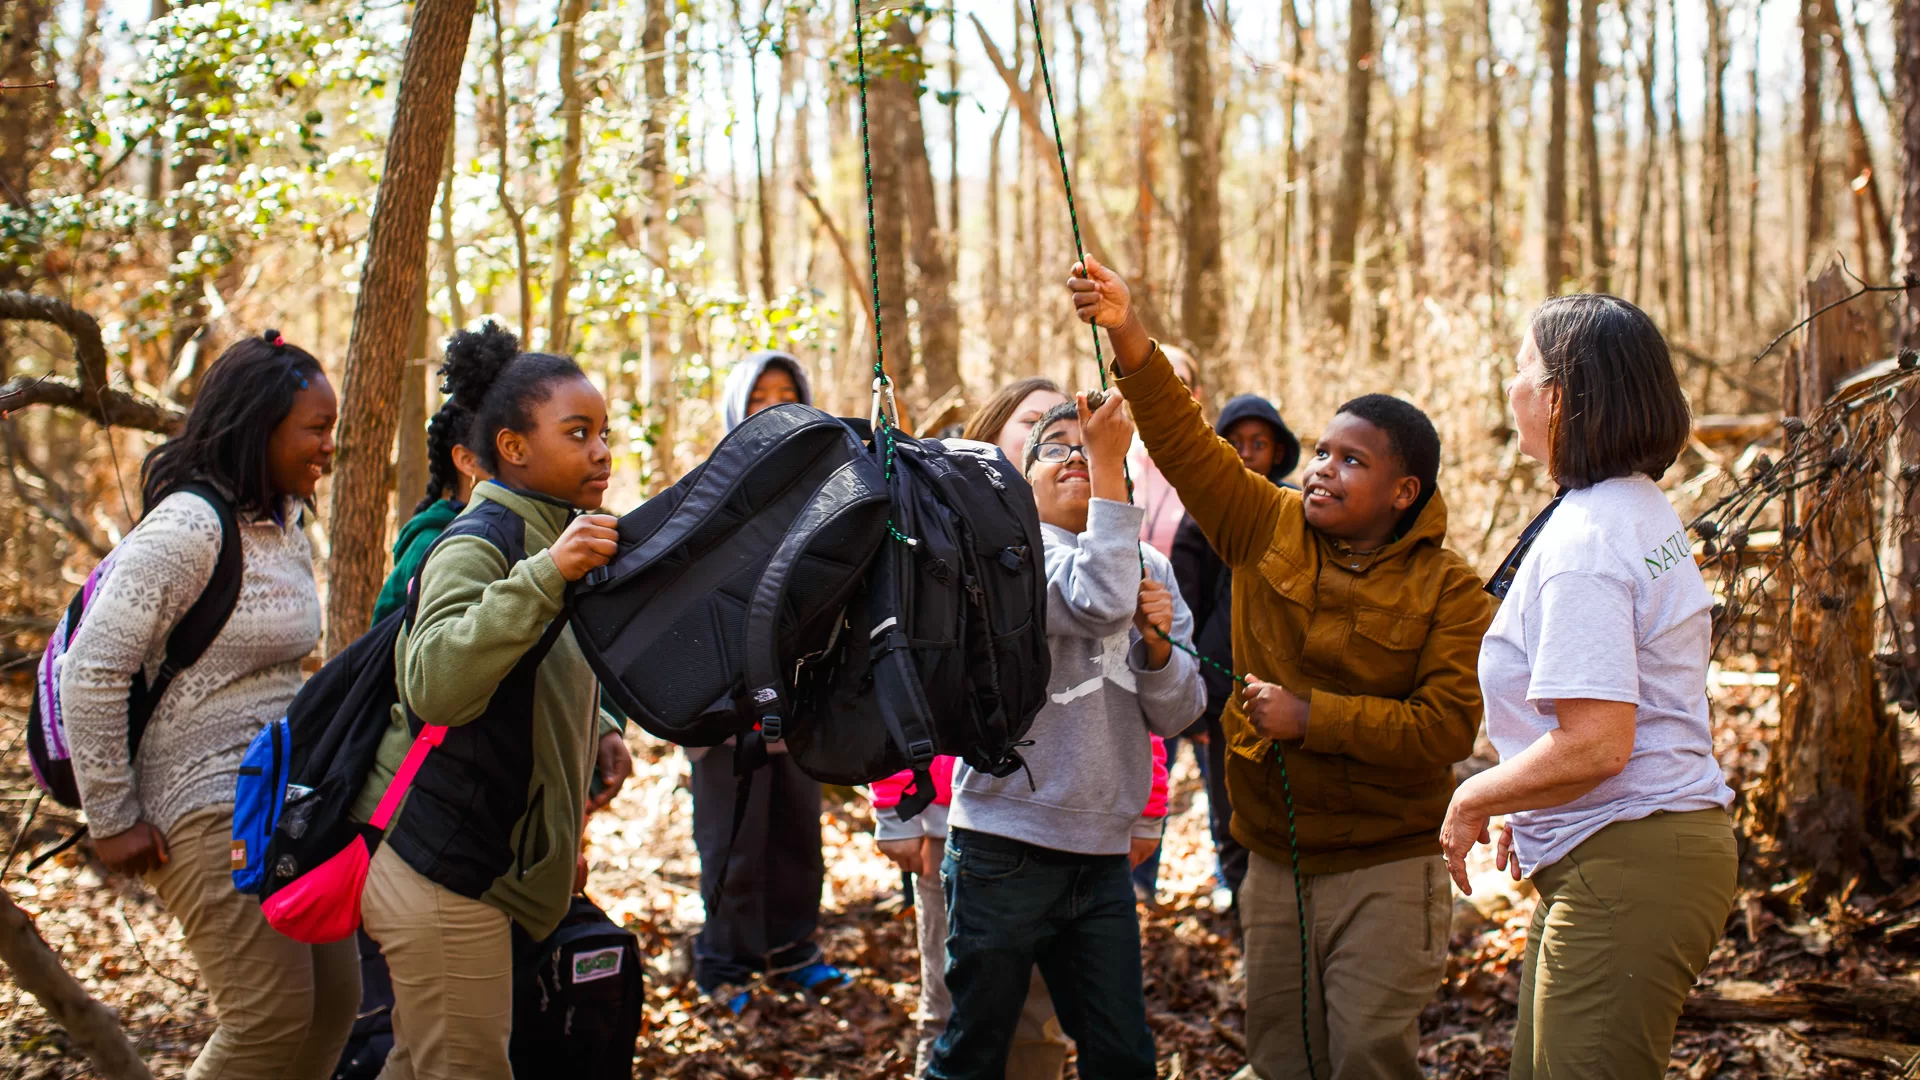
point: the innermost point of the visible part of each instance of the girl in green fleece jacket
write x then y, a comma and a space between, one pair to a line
487, 836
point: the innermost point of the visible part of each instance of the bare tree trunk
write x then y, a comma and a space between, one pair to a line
558, 326
1811, 58
1553, 271
26, 114
384, 312
662, 392
994, 255
93, 1028
1350, 199
1751, 285
410, 445
449, 247
1417, 216
887, 121
1649, 165
939, 318
1496, 261
762, 205
1719, 259
953, 131
1677, 133
1599, 258
1906, 81
507, 206
1290, 21
1833, 788
1866, 197
1202, 299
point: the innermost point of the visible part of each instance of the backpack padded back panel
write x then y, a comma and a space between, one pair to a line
665, 623
964, 607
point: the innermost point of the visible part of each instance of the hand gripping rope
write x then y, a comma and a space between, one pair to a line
883, 428
1279, 757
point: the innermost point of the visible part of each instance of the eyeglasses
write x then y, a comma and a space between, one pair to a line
1502, 580
1055, 452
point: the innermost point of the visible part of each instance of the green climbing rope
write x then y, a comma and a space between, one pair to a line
1279, 757
882, 384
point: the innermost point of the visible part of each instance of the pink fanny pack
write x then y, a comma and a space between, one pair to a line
323, 904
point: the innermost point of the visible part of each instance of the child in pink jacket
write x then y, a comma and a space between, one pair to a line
1039, 1047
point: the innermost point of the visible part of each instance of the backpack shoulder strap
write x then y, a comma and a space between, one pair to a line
203, 621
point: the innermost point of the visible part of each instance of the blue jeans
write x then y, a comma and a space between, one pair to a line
1011, 906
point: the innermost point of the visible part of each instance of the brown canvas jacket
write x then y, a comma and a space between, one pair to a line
1385, 645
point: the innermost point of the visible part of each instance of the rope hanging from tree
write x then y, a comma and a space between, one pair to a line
883, 423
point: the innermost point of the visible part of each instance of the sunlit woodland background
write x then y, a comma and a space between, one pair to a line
1318, 197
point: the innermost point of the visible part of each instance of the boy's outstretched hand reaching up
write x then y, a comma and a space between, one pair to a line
1108, 434
1101, 297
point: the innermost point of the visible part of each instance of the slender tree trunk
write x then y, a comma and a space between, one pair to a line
1290, 18
1649, 165
1553, 271
953, 132
1677, 132
507, 206
939, 318
1496, 259
410, 442
26, 115
887, 121
385, 310
558, 327
1202, 297
1599, 258
1866, 197
1906, 82
994, 256
450, 247
662, 391
1417, 214
1350, 200
1751, 285
762, 205
1812, 55
1717, 292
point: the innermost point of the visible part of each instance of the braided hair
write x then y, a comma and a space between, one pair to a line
245, 395
447, 429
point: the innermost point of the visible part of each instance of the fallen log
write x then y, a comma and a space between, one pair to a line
93, 1027
1894, 1054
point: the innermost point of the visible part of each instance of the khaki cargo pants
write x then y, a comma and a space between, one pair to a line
283, 1009
1624, 925
1376, 950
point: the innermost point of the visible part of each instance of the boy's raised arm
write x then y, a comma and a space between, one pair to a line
1236, 509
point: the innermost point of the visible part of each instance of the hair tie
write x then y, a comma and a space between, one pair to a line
273, 338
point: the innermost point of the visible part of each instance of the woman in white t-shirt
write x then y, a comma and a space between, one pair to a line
1595, 679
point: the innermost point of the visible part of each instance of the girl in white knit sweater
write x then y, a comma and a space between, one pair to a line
261, 432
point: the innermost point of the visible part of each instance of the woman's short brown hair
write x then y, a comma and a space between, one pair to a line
1617, 404
985, 424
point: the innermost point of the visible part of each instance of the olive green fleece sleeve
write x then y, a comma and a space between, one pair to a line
477, 618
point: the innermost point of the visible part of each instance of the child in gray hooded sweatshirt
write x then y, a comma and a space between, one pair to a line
1036, 864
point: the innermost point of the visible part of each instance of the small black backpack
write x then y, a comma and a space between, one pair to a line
577, 998
725, 579
943, 650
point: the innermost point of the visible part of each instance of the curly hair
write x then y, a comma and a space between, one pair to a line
448, 429
486, 374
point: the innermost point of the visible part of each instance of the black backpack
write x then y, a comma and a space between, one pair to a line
295, 814
724, 580
944, 649
576, 998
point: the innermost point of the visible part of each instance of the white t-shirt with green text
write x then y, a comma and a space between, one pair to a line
1608, 605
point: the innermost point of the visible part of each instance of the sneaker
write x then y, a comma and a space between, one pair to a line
818, 977
733, 998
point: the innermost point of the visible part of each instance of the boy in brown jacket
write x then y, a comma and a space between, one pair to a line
1360, 634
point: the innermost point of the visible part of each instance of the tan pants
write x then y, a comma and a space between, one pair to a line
1624, 925
284, 1009
452, 964
1039, 1046
1376, 950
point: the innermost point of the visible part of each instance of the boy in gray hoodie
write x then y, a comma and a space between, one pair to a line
1036, 863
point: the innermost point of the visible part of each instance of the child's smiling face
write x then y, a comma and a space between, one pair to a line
1355, 487
1062, 489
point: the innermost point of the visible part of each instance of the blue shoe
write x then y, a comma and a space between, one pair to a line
818, 977
738, 1003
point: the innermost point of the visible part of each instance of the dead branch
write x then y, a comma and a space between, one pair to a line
1910, 284
93, 1027
854, 276
90, 394
58, 505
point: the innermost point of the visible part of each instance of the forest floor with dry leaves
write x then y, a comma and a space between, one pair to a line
1761, 1011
